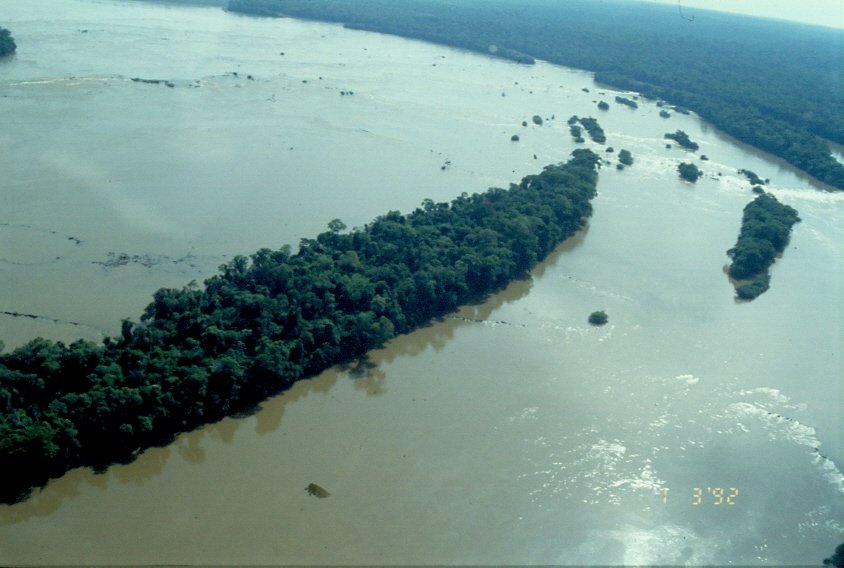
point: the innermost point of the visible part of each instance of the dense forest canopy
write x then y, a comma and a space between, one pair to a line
774, 85
7, 42
264, 322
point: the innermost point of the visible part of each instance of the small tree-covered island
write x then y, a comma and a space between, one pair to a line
596, 133
765, 229
264, 322
689, 172
683, 140
7, 42
598, 318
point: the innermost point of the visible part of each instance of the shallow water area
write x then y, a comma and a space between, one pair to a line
689, 430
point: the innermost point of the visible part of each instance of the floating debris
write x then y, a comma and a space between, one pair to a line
115, 260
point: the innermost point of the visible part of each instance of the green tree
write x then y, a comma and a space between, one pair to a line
336, 226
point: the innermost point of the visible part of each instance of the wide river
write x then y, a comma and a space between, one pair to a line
692, 429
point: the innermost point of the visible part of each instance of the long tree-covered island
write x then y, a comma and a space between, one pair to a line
715, 71
264, 322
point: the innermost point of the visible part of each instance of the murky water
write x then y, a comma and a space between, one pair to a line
511, 433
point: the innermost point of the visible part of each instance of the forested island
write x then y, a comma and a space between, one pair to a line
201, 353
765, 229
7, 42
774, 85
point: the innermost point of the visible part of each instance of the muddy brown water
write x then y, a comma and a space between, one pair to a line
689, 430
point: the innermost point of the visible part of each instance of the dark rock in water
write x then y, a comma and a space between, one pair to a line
317, 491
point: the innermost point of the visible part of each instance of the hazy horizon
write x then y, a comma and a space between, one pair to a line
828, 13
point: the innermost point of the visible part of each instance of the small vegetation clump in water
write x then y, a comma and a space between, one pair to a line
317, 491
576, 133
7, 42
683, 140
753, 178
598, 318
627, 102
596, 133
689, 172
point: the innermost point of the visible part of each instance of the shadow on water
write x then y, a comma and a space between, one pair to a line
366, 374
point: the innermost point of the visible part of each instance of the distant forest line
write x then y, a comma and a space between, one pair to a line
774, 85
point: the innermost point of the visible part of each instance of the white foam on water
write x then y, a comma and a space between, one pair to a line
774, 394
792, 194
688, 379
819, 518
769, 414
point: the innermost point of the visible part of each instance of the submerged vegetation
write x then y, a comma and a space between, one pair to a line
7, 42
714, 67
201, 353
765, 229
